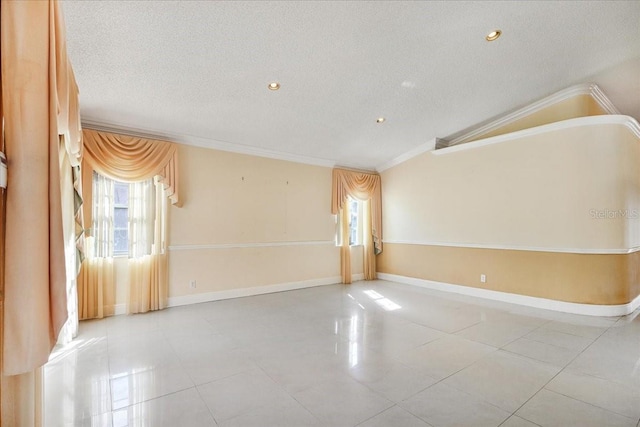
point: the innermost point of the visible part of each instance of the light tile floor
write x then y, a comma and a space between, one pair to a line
367, 354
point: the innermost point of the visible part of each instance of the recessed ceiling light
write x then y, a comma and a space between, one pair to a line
274, 86
380, 119
493, 35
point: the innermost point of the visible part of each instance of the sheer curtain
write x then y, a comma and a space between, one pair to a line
148, 267
96, 288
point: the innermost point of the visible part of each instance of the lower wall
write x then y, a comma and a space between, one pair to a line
579, 278
220, 269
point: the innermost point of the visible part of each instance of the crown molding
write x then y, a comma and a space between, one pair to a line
629, 122
423, 148
590, 89
214, 144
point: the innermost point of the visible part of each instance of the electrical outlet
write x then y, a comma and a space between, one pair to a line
192, 284
483, 278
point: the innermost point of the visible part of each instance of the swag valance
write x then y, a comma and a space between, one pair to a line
130, 158
362, 186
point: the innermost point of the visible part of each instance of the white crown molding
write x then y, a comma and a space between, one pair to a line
598, 95
423, 148
627, 121
543, 303
246, 292
249, 245
214, 144
590, 89
589, 251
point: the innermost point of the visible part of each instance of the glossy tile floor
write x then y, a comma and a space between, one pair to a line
368, 354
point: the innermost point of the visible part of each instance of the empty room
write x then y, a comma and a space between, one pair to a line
320, 213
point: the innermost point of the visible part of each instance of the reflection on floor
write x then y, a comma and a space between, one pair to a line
367, 354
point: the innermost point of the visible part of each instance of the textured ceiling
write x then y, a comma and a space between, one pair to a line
199, 70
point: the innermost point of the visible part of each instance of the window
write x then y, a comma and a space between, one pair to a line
114, 218
356, 209
355, 222
120, 218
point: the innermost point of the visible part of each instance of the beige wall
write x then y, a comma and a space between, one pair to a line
240, 201
536, 193
578, 278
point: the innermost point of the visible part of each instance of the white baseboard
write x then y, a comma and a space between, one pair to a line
257, 290
245, 292
119, 309
544, 303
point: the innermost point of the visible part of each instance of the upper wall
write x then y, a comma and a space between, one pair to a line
238, 198
537, 189
249, 221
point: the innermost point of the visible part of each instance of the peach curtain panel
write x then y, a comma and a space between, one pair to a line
39, 105
39, 100
96, 291
365, 187
129, 158
345, 249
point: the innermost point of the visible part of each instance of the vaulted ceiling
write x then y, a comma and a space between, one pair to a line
197, 71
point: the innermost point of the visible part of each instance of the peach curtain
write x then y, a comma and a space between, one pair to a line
367, 242
345, 249
37, 85
129, 158
366, 187
96, 290
39, 110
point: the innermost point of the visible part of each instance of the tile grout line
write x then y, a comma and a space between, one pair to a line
205, 404
590, 404
286, 392
559, 372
